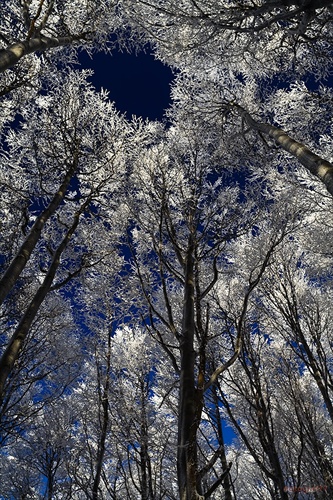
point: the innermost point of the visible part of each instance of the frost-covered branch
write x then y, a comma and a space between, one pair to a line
253, 283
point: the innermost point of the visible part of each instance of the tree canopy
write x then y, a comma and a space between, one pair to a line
165, 286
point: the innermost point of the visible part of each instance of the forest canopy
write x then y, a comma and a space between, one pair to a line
165, 286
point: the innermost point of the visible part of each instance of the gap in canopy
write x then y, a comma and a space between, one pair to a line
137, 83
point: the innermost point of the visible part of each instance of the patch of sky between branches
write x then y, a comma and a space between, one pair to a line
137, 83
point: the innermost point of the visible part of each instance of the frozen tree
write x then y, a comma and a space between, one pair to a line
51, 360
226, 45
39, 36
159, 283
248, 140
278, 397
29, 27
88, 157
185, 224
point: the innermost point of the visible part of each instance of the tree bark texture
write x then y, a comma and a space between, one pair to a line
12, 54
312, 162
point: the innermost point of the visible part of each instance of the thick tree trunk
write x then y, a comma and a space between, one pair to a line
18, 263
50, 480
312, 162
12, 54
187, 422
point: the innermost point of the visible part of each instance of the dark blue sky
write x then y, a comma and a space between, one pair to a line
139, 84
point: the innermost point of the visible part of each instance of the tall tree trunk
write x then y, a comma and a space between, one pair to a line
187, 422
50, 479
145, 465
313, 163
18, 263
14, 347
105, 423
12, 54
219, 429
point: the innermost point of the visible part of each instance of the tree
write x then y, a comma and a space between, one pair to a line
48, 365
143, 429
208, 43
266, 399
42, 455
208, 101
37, 37
91, 162
178, 246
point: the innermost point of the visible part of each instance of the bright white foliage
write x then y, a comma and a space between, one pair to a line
97, 380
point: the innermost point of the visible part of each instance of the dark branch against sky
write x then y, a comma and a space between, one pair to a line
138, 84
